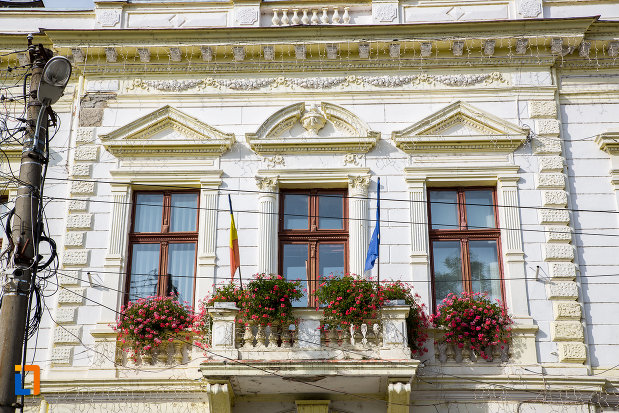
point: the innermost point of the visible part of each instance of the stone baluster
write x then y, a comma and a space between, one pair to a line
286, 335
285, 19
335, 19
346, 16
223, 332
178, 352
351, 331
305, 18
275, 19
295, 17
364, 334
273, 336
248, 337
315, 19
324, 19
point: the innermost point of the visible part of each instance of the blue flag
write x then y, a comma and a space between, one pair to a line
375, 240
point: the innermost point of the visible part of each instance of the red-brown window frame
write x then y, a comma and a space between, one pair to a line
313, 235
464, 235
164, 238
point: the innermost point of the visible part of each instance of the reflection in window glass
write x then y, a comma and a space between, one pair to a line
331, 212
184, 212
485, 268
295, 211
181, 259
479, 209
447, 268
331, 259
144, 271
148, 212
294, 257
444, 209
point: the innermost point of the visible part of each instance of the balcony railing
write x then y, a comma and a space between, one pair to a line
309, 338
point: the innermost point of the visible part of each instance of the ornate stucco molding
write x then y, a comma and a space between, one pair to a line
276, 135
460, 127
318, 83
189, 136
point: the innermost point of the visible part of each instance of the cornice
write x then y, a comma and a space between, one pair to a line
608, 142
488, 132
137, 137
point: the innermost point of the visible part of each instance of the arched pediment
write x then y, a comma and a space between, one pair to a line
304, 128
167, 132
460, 127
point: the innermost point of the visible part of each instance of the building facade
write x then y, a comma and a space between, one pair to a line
491, 125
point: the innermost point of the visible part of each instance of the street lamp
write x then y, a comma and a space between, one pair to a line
54, 79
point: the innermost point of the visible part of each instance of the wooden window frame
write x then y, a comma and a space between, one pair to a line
163, 238
313, 236
464, 235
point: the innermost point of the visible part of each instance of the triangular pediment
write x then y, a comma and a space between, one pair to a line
461, 127
306, 128
167, 132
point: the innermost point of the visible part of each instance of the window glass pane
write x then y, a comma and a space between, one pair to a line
331, 212
148, 213
447, 268
479, 209
184, 212
485, 268
295, 211
181, 261
144, 271
444, 209
295, 268
330, 259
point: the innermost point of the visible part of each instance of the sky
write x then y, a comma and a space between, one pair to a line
69, 4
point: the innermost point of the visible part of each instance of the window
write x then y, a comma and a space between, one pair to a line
162, 244
464, 238
313, 237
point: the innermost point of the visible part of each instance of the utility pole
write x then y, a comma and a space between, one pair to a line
25, 234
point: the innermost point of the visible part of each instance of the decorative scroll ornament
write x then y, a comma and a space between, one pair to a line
352, 159
359, 184
315, 83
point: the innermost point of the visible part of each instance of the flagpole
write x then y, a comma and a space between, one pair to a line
232, 215
378, 225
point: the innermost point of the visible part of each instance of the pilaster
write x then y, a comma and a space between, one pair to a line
209, 197
567, 330
267, 226
417, 193
357, 222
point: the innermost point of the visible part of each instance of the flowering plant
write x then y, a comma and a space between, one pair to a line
268, 299
151, 321
348, 300
472, 319
417, 322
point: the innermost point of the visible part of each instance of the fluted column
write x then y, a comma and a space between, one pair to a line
115, 259
207, 237
358, 225
417, 195
511, 243
267, 226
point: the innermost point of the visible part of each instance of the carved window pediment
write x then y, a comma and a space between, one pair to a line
460, 127
167, 132
304, 128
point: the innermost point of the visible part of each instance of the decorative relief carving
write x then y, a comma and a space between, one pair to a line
352, 159
313, 120
274, 161
246, 15
530, 8
360, 183
461, 80
109, 18
268, 184
386, 13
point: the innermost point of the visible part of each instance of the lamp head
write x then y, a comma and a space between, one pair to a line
56, 74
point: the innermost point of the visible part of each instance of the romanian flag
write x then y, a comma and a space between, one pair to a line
235, 262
